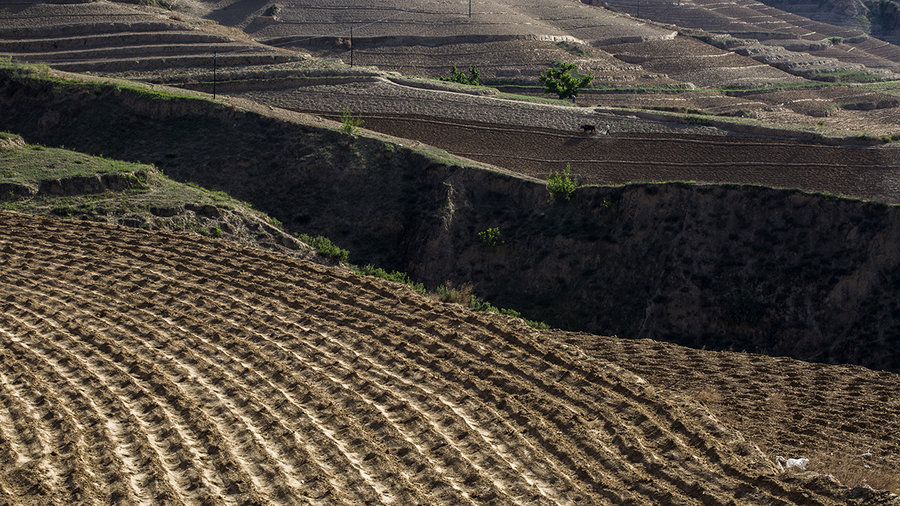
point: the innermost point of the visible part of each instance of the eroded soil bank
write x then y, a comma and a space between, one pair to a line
777, 271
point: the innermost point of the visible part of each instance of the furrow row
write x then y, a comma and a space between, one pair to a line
234, 330
235, 344
296, 363
133, 440
563, 424
239, 437
339, 304
93, 445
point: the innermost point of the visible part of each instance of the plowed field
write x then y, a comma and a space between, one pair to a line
143, 367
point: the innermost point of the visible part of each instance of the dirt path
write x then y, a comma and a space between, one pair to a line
152, 368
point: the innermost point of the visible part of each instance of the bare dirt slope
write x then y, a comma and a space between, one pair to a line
843, 418
145, 367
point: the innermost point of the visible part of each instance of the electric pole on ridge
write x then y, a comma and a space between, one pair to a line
215, 57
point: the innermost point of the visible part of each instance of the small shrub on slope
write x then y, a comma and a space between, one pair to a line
561, 185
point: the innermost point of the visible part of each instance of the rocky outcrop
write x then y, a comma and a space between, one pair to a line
93, 183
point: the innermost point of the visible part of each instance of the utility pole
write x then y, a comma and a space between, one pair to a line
215, 64
351, 45
470, 8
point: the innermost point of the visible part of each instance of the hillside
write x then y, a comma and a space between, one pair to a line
721, 282
637, 64
57, 182
636, 260
143, 366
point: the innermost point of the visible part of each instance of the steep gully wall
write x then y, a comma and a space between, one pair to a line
777, 271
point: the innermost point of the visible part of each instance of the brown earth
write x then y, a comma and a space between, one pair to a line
841, 417
147, 367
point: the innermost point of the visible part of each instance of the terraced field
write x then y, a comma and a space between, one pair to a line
107, 38
642, 148
149, 368
787, 41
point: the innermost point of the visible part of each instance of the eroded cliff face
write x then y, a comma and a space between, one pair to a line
777, 271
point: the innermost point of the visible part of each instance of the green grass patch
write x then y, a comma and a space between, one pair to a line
15, 70
32, 164
847, 76
529, 98
324, 246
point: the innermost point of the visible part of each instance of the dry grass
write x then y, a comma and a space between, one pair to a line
852, 470
455, 294
708, 397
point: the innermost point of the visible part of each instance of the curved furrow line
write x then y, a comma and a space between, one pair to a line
11, 444
261, 329
156, 344
583, 380
20, 440
133, 289
102, 466
47, 470
336, 314
605, 487
172, 406
595, 463
393, 404
650, 431
696, 437
562, 426
151, 478
125, 357
337, 310
512, 369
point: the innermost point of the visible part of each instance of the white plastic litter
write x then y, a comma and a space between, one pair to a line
789, 463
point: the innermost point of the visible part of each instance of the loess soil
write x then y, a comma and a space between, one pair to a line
148, 367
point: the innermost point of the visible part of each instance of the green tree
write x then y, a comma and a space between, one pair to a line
349, 124
561, 185
564, 80
457, 76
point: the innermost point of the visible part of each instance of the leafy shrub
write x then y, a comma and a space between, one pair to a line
490, 237
561, 185
349, 124
324, 246
473, 79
